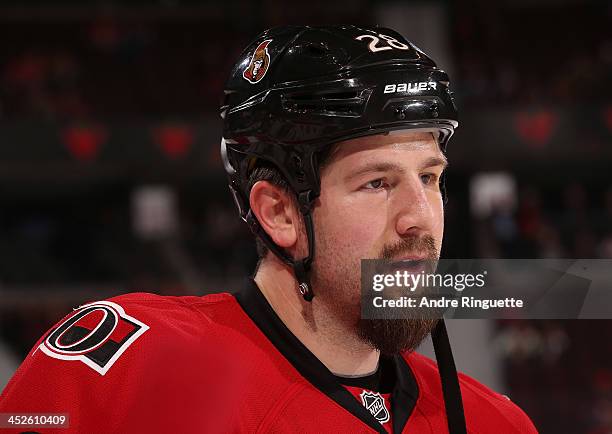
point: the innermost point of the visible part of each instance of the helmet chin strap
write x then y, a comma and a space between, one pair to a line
301, 267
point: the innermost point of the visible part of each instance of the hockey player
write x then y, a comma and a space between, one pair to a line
334, 142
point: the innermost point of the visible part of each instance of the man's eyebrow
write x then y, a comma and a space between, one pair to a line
381, 166
435, 161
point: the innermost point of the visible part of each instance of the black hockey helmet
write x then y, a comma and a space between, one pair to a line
298, 89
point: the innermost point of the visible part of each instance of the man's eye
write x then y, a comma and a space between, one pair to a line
375, 185
429, 178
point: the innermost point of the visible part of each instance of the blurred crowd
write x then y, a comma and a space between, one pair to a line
53, 243
560, 372
570, 361
533, 53
105, 67
104, 64
571, 223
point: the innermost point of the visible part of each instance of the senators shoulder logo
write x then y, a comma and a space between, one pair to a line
258, 66
95, 334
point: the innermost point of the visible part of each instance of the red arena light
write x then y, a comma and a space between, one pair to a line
174, 140
83, 142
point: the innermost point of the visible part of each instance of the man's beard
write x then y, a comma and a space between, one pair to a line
392, 336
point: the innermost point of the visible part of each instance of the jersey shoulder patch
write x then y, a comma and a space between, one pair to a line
96, 334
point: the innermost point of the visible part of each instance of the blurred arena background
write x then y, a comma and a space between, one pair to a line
111, 182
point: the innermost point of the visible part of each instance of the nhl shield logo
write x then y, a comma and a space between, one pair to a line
375, 403
258, 66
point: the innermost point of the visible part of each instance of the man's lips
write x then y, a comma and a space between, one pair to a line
411, 264
414, 257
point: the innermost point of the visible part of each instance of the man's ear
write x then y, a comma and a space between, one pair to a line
275, 212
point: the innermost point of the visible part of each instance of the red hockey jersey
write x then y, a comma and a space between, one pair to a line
222, 363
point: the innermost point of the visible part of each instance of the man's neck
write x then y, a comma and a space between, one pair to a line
338, 348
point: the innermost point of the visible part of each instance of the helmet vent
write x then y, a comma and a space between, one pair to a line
343, 103
314, 50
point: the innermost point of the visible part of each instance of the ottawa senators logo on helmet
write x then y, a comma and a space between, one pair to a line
258, 66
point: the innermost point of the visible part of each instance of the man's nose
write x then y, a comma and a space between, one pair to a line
415, 210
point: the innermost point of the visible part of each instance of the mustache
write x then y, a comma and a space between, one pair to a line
414, 244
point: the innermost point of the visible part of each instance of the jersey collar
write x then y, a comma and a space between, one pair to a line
405, 392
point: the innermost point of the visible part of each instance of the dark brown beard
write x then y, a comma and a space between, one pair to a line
392, 336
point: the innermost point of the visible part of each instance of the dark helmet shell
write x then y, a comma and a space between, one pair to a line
325, 84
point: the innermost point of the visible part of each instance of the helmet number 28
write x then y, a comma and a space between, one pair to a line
391, 42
